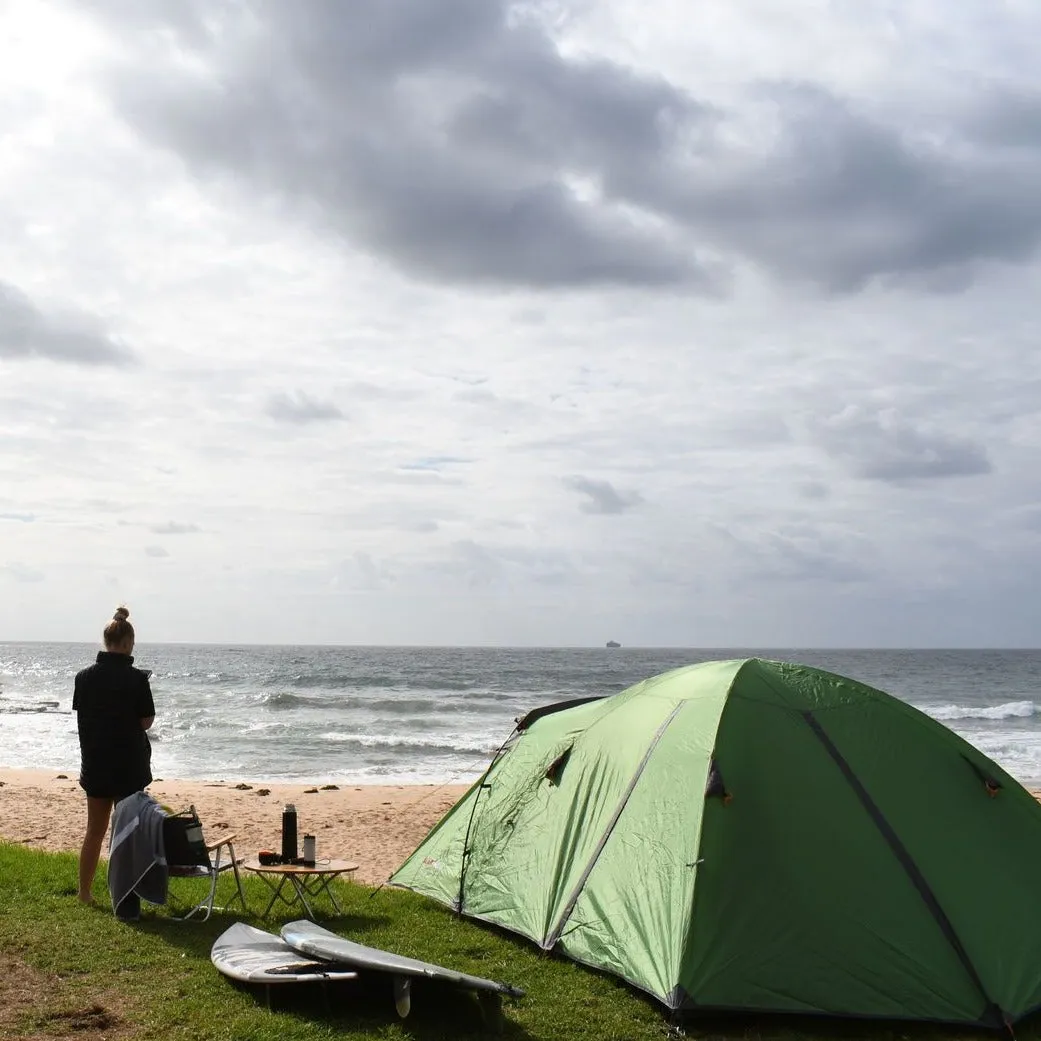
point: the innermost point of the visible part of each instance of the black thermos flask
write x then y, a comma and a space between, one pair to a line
289, 834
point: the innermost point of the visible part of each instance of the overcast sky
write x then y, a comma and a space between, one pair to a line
468, 322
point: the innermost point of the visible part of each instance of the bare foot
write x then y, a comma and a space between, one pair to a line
88, 899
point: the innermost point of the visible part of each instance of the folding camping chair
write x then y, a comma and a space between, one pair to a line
189, 855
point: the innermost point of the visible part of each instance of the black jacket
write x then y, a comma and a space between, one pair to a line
110, 699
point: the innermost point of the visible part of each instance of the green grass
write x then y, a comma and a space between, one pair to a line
95, 975
157, 978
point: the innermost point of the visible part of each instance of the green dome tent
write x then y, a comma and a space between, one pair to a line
756, 835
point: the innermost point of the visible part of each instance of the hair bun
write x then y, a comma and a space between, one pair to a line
122, 613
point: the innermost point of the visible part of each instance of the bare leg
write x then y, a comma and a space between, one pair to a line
98, 812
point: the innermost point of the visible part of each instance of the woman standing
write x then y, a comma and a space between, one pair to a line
114, 708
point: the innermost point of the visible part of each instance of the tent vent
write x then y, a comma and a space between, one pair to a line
556, 768
715, 787
991, 784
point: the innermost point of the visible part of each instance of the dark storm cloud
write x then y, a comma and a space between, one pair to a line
456, 140
349, 116
301, 408
28, 331
602, 496
883, 447
352, 115
840, 198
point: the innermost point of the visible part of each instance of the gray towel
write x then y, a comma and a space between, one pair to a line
136, 854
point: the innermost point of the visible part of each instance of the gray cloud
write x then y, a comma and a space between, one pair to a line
511, 162
363, 390
361, 572
1007, 117
881, 446
27, 331
434, 463
479, 566
23, 518
1030, 517
602, 496
500, 409
421, 527
840, 198
416, 476
301, 408
472, 563
816, 490
221, 239
798, 553
301, 112
786, 559
546, 565
392, 513
156, 551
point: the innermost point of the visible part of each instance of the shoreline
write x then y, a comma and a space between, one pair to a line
377, 825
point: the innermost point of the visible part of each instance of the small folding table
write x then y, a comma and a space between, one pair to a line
295, 882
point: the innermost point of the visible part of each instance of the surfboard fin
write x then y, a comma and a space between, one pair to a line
491, 1010
402, 995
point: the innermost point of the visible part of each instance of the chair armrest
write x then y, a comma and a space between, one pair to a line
224, 840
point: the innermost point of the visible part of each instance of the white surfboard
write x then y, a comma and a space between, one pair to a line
313, 940
253, 956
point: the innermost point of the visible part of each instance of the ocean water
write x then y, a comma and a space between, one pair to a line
413, 715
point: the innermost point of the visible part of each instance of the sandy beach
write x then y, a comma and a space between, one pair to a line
375, 825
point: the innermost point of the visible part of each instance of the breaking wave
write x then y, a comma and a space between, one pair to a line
353, 680
12, 705
413, 743
390, 705
1009, 710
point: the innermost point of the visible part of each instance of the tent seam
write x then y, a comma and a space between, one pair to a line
904, 858
480, 786
576, 892
688, 935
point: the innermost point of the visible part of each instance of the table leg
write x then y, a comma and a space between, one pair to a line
301, 893
276, 893
301, 887
332, 897
319, 885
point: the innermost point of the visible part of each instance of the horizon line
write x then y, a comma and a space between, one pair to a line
537, 646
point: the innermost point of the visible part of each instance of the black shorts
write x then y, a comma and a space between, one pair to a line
101, 790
